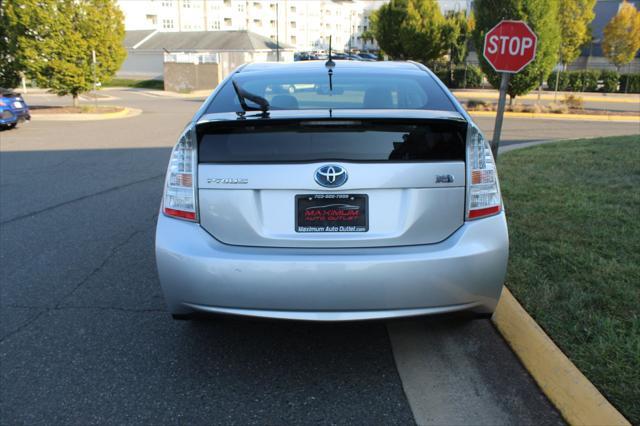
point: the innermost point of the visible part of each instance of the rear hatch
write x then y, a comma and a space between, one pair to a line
12, 99
321, 179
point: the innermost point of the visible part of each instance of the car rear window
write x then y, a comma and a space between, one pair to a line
350, 90
354, 141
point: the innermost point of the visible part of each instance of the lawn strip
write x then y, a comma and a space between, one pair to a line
573, 210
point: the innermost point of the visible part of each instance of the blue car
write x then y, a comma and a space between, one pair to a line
13, 109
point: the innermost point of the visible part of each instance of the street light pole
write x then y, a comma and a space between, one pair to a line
277, 33
350, 32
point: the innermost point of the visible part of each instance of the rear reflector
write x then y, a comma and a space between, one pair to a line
180, 213
473, 214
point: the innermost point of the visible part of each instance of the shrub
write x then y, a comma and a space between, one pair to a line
630, 83
477, 104
584, 81
590, 80
563, 84
558, 108
573, 102
470, 79
443, 74
610, 81
575, 81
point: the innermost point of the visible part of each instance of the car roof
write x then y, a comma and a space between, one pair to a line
303, 66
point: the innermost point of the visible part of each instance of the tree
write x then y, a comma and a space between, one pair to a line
410, 29
575, 17
9, 66
542, 17
385, 23
621, 38
457, 33
56, 39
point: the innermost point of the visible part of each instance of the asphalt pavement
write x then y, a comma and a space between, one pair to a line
85, 338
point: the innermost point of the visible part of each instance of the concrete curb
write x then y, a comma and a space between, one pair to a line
577, 399
548, 116
125, 113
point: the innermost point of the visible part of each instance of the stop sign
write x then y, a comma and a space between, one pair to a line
510, 46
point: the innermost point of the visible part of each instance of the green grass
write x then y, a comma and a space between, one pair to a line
574, 222
140, 84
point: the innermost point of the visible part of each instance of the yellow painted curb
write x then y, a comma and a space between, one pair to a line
125, 113
577, 399
549, 116
624, 99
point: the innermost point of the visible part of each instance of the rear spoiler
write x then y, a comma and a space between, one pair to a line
341, 114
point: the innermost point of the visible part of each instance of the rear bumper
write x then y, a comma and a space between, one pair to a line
10, 116
464, 272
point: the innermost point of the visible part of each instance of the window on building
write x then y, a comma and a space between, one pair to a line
240, 7
257, 22
167, 4
272, 23
215, 25
152, 19
293, 40
186, 4
292, 24
272, 6
257, 5
293, 9
227, 3
228, 22
273, 37
167, 24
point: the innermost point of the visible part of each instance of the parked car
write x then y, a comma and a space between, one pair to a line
13, 109
375, 198
339, 55
370, 56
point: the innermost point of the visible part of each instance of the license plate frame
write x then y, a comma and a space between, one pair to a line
331, 213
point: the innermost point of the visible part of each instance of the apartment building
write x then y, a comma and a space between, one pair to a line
305, 24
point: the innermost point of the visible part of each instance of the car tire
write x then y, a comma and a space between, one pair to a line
12, 126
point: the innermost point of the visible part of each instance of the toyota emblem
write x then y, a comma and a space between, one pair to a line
331, 176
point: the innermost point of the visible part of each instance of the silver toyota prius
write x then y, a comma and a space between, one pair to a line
331, 191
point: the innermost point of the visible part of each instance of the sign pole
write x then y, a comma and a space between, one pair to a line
495, 143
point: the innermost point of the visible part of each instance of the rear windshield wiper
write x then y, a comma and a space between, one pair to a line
243, 95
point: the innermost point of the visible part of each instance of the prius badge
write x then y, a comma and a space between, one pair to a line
444, 179
331, 176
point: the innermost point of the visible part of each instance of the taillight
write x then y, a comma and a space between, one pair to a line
2, 104
483, 190
180, 194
